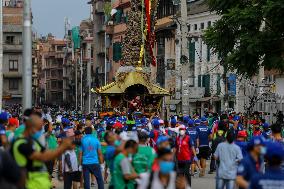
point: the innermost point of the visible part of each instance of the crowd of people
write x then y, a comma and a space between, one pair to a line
127, 151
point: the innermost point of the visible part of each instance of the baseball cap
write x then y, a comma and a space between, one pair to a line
197, 122
161, 122
236, 118
190, 122
203, 119
162, 139
256, 140
265, 125
185, 119
117, 125
65, 121
156, 122
242, 133
173, 121
254, 122
182, 127
13, 121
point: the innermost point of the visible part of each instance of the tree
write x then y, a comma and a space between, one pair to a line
249, 34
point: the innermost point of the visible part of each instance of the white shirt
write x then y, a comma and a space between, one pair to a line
156, 183
73, 159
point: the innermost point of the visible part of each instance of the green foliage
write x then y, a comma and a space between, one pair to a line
107, 8
249, 34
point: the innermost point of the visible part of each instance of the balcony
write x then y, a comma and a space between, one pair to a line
12, 75
99, 7
101, 28
120, 28
110, 28
121, 4
12, 48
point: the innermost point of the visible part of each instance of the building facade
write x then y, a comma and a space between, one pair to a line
12, 52
52, 54
101, 62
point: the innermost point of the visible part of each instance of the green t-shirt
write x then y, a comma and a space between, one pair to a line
52, 142
143, 160
102, 139
10, 135
78, 149
210, 122
19, 131
119, 168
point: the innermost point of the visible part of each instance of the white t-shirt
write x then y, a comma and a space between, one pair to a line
156, 183
73, 160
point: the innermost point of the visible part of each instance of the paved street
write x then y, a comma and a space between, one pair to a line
206, 182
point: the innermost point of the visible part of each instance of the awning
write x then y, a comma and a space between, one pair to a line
173, 102
205, 99
129, 79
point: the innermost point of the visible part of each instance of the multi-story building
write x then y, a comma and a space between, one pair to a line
35, 70
166, 72
208, 89
99, 39
195, 79
12, 51
87, 45
52, 70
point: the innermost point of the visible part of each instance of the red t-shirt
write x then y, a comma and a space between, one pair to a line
183, 146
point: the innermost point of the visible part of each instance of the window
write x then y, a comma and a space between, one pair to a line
208, 54
13, 84
188, 27
118, 16
60, 48
202, 26
13, 65
218, 84
195, 26
191, 52
165, 8
53, 84
10, 39
206, 84
209, 24
53, 73
117, 51
60, 84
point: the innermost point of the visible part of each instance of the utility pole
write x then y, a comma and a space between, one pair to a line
89, 77
1, 53
105, 59
65, 59
81, 78
185, 57
76, 82
27, 56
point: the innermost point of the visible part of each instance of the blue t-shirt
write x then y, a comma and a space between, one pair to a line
2, 132
273, 178
203, 133
90, 146
109, 156
191, 131
248, 167
243, 146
